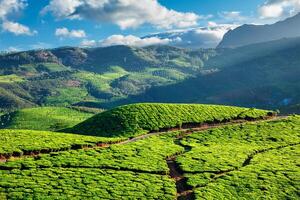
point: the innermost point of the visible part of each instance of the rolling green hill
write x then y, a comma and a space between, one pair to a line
26, 142
136, 119
251, 160
43, 118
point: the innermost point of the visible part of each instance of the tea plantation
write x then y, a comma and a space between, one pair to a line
19, 142
245, 161
254, 158
43, 118
136, 119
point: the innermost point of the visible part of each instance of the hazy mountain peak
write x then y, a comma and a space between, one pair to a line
250, 34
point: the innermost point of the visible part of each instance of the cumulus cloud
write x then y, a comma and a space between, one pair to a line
131, 40
8, 7
66, 33
279, 8
17, 29
124, 13
201, 37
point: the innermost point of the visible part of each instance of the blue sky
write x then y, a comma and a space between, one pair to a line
30, 24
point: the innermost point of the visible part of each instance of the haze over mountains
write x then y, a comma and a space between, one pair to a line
250, 34
205, 37
263, 75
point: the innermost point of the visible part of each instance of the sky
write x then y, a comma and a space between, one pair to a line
35, 24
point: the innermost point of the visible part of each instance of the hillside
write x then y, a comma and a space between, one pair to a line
267, 81
247, 159
251, 34
136, 119
66, 76
43, 118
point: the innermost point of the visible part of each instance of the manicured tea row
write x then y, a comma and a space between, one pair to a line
18, 142
146, 155
136, 119
43, 118
81, 183
252, 161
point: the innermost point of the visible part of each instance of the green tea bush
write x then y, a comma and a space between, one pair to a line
43, 118
250, 161
136, 119
18, 142
81, 183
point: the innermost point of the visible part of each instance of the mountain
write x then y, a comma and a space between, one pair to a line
250, 34
202, 37
68, 75
269, 80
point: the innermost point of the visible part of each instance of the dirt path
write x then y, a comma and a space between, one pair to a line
184, 191
184, 132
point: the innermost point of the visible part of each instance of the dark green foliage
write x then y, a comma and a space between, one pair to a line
69, 76
247, 76
135, 119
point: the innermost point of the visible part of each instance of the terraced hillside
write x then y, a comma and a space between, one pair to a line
43, 118
250, 160
136, 119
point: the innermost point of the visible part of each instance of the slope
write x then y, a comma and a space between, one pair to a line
270, 81
250, 34
43, 118
136, 119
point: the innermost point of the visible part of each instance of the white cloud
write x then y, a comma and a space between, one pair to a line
13, 49
41, 45
124, 13
88, 43
131, 40
279, 8
8, 7
201, 37
17, 29
64, 32
232, 16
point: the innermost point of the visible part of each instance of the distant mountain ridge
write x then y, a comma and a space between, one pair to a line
251, 34
243, 78
72, 75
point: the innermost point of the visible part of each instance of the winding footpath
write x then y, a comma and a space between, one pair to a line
184, 191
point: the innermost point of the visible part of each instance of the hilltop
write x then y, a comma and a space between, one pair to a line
138, 119
43, 118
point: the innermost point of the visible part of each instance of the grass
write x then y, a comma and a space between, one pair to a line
67, 96
136, 119
43, 118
